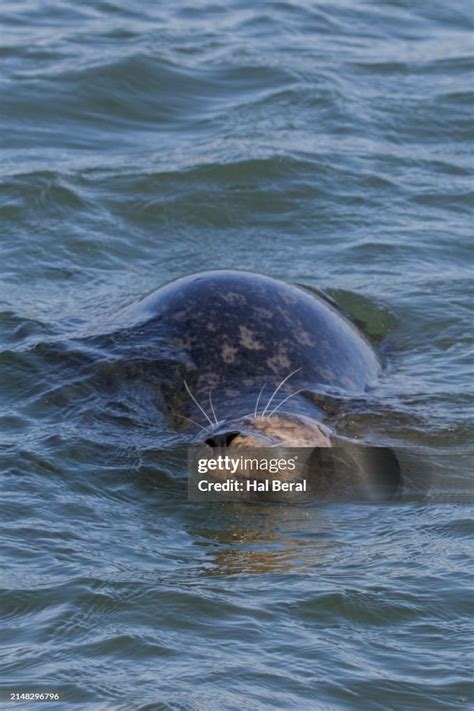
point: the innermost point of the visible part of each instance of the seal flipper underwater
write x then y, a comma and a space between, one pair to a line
241, 356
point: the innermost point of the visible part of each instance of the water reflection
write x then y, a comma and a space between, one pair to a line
256, 539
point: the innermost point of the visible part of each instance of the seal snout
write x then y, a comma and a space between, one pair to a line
223, 439
277, 430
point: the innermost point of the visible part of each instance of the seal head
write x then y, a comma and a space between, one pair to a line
242, 353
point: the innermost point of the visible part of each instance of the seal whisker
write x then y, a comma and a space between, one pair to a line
278, 388
212, 407
297, 392
190, 420
197, 403
258, 399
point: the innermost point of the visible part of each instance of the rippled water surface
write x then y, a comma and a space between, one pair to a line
325, 143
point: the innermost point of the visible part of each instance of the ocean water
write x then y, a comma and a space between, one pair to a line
325, 143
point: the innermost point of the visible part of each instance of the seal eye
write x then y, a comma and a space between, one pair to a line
222, 440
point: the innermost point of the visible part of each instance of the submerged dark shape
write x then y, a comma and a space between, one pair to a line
242, 355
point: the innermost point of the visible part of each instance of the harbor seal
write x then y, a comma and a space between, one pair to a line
246, 360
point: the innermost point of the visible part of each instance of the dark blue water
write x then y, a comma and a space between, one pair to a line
325, 143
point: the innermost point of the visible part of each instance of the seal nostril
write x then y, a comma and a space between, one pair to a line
221, 440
